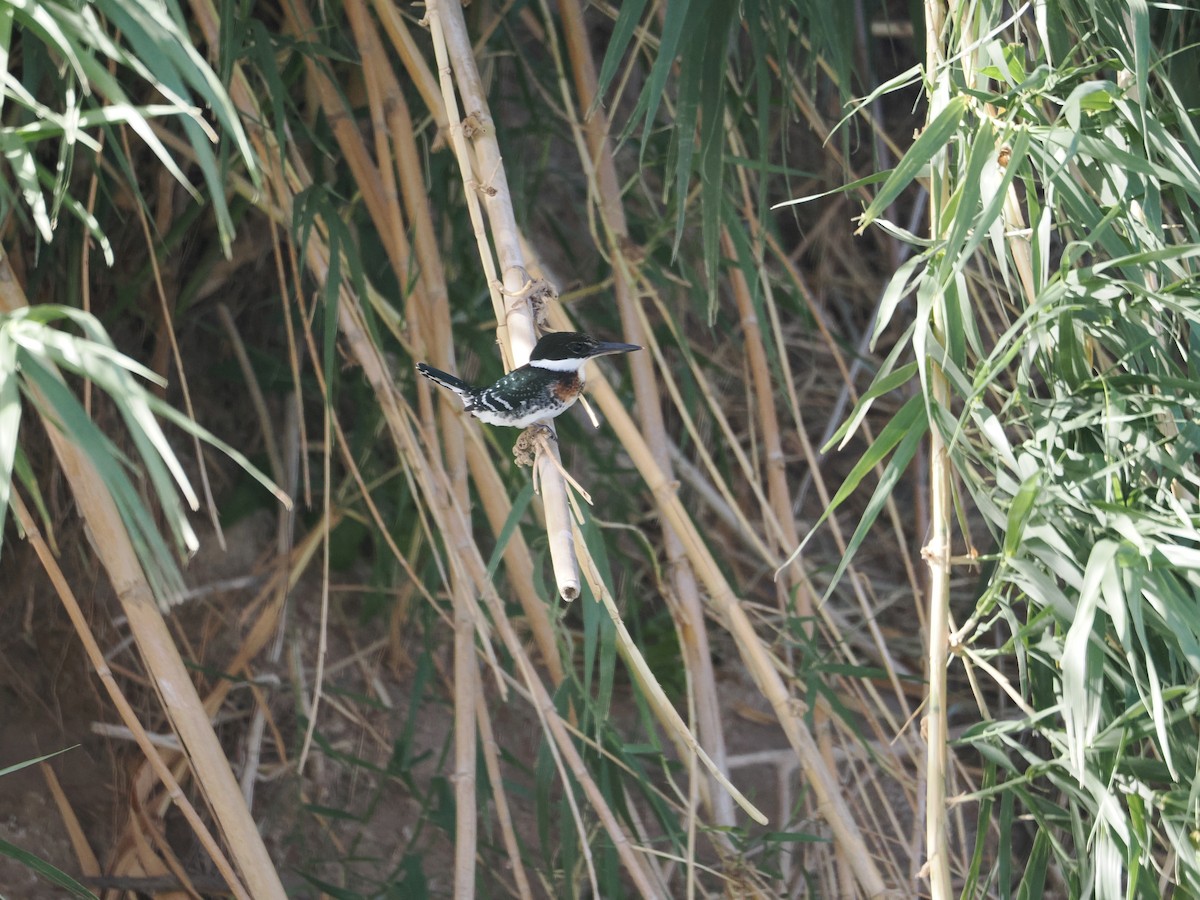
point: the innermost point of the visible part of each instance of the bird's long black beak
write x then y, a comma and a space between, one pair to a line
607, 348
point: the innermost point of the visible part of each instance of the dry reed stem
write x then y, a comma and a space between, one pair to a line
406, 48
313, 708
467, 696
483, 170
451, 521
435, 311
686, 606
88, 864
653, 690
518, 562
856, 579
491, 761
758, 660
937, 551
167, 672
777, 486
124, 708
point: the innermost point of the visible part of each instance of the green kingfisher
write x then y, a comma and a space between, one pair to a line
543, 388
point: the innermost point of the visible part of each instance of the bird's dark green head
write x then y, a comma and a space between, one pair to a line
566, 346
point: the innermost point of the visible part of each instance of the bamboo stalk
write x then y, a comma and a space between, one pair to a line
467, 695
686, 606
122, 705
166, 670
447, 517
454, 526
491, 760
937, 551
759, 662
457, 429
453, 49
432, 307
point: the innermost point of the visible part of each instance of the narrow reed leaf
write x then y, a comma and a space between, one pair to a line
933, 139
519, 505
847, 188
10, 422
674, 27
25, 172
906, 448
1037, 865
1081, 662
1019, 512
26, 763
68, 415
55, 876
629, 17
907, 423
600, 632
880, 387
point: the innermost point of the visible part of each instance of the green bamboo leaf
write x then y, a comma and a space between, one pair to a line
674, 25
10, 422
901, 284
908, 422
67, 414
1081, 663
880, 387
25, 172
1033, 881
933, 140
24, 764
46, 25
848, 187
712, 145
1019, 511
600, 633
628, 18
906, 448
520, 504
7, 13
45, 870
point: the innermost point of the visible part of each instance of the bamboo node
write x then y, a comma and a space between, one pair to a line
486, 189
520, 293
473, 126
633, 252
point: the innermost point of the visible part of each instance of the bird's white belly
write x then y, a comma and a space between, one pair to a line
539, 415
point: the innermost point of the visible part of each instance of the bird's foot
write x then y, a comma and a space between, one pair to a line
525, 449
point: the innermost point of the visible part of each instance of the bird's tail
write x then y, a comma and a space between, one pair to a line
446, 380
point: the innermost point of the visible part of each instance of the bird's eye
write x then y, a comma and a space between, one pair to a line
578, 348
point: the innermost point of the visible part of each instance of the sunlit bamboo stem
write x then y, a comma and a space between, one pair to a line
937, 550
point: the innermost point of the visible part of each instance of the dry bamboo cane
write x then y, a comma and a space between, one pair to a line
688, 609
449, 519
166, 670
937, 551
517, 558
124, 709
778, 492
431, 295
758, 661
453, 524
439, 339
432, 307
453, 49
